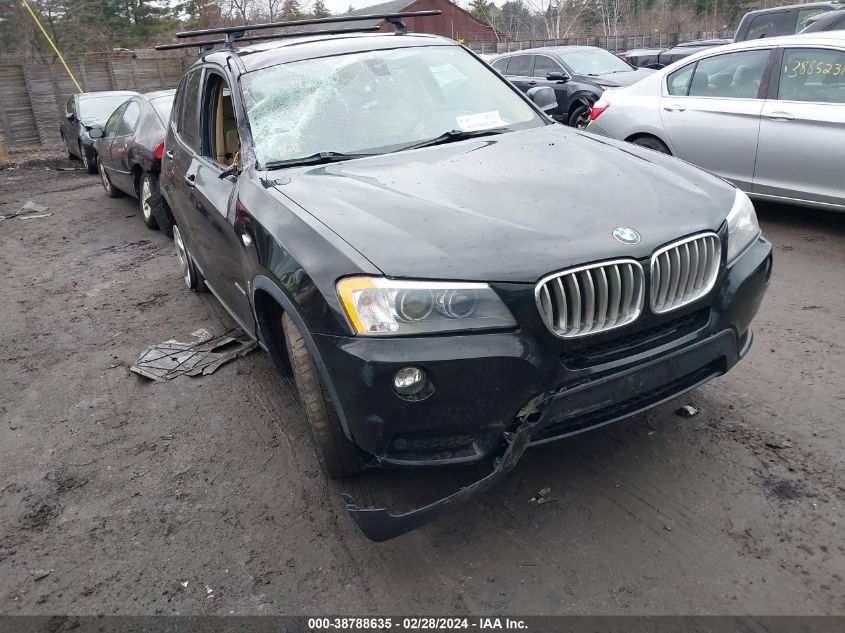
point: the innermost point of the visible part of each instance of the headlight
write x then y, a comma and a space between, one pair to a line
386, 307
742, 226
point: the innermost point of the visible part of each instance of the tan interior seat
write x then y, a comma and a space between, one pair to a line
226, 132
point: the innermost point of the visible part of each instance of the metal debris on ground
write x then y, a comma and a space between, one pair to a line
30, 208
199, 357
39, 574
686, 411
541, 496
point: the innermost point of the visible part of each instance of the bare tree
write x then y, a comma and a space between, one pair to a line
242, 10
611, 14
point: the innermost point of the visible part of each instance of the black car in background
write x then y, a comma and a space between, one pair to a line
769, 22
82, 113
130, 149
447, 274
829, 21
656, 58
577, 74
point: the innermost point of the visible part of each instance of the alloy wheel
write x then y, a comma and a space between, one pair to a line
146, 194
184, 261
104, 178
84, 156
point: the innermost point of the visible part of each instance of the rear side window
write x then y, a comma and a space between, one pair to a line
677, 83
804, 16
812, 74
771, 24
163, 106
187, 124
520, 65
71, 106
129, 121
733, 75
501, 65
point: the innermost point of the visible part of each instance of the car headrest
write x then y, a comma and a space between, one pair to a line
744, 75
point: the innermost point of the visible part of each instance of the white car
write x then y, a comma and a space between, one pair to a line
767, 115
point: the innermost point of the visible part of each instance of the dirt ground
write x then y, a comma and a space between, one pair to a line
203, 496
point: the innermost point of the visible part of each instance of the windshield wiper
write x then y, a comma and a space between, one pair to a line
314, 159
455, 135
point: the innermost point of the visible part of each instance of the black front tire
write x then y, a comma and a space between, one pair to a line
579, 117
89, 160
335, 452
652, 143
111, 190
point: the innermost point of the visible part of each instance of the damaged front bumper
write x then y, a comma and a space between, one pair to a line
379, 525
528, 387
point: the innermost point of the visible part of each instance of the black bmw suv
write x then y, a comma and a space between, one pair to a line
447, 274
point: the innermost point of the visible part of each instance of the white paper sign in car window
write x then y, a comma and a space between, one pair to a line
480, 121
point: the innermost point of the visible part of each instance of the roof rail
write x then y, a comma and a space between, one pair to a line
237, 32
207, 45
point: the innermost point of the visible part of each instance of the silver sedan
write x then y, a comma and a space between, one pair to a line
767, 115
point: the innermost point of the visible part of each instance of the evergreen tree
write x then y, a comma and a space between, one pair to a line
320, 9
291, 10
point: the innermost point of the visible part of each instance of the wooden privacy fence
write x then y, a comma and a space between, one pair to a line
33, 94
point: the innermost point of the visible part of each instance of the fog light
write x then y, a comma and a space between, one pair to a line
409, 381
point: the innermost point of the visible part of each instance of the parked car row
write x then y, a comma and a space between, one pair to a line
83, 113
577, 74
120, 135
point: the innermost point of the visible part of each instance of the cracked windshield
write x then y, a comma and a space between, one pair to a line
375, 102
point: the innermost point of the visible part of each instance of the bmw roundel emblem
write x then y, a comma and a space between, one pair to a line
626, 235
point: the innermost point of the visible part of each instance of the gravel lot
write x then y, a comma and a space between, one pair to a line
202, 495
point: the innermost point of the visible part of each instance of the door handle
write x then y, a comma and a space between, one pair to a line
674, 108
190, 180
780, 116
532, 83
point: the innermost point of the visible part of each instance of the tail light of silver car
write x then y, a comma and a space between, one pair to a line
598, 107
591, 299
684, 271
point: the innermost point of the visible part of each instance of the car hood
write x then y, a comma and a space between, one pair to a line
510, 207
618, 80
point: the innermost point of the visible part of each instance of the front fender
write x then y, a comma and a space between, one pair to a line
265, 284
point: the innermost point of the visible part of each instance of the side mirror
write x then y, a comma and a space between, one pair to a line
95, 132
234, 169
69, 116
543, 97
557, 76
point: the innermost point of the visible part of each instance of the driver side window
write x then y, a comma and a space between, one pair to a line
544, 65
220, 140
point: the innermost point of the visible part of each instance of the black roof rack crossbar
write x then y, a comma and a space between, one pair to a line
237, 32
209, 44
